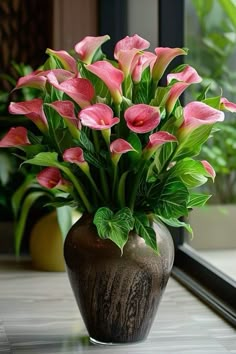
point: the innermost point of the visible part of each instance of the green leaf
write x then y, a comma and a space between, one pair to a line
143, 229
174, 223
191, 145
64, 218
197, 200
20, 223
44, 159
134, 156
85, 142
230, 8
213, 102
169, 198
115, 227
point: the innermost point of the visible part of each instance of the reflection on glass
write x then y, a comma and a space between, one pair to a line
211, 39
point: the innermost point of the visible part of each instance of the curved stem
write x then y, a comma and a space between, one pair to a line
135, 186
114, 181
121, 189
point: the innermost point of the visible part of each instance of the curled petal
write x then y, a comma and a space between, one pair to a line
188, 75
36, 79
142, 118
159, 138
33, 110
143, 61
174, 93
66, 109
227, 105
129, 43
120, 146
197, 114
164, 56
74, 155
80, 90
111, 76
88, 47
98, 117
50, 177
209, 169
127, 59
15, 137
68, 62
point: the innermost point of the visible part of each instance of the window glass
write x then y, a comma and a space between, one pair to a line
210, 35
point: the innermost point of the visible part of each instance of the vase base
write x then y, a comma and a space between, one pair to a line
97, 342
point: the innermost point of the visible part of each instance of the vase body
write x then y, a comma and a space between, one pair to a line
118, 295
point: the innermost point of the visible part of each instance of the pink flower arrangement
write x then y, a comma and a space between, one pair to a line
113, 140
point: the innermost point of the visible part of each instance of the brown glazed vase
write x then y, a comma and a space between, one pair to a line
117, 295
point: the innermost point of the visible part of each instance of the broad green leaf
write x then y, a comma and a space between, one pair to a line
134, 156
191, 145
213, 102
143, 229
230, 8
64, 218
191, 172
170, 198
174, 223
20, 223
115, 227
85, 143
197, 200
44, 159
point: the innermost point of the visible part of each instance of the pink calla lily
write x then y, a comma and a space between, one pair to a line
188, 75
120, 146
66, 110
74, 155
156, 140
38, 78
129, 43
209, 169
15, 137
227, 105
164, 56
174, 93
87, 48
127, 51
111, 76
143, 61
197, 114
33, 110
79, 89
50, 177
68, 62
98, 117
142, 118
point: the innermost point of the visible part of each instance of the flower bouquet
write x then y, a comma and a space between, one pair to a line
114, 141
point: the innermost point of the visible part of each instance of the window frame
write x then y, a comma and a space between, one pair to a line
204, 280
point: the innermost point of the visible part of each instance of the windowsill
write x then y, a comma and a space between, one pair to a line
38, 314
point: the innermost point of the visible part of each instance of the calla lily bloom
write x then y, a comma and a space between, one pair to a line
68, 62
87, 48
36, 79
33, 110
15, 137
128, 43
79, 89
50, 177
111, 76
156, 140
98, 116
197, 114
143, 61
66, 110
127, 52
209, 169
164, 56
75, 155
119, 147
188, 75
227, 105
142, 118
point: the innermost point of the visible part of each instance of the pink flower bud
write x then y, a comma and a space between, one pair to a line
15, 137
209, 169
227, 105
50, 177
68, 62
87, 48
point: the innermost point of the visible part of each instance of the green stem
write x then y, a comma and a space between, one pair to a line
114, 181
78, 188
121, 189
101, 170
94, 186
136, 185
